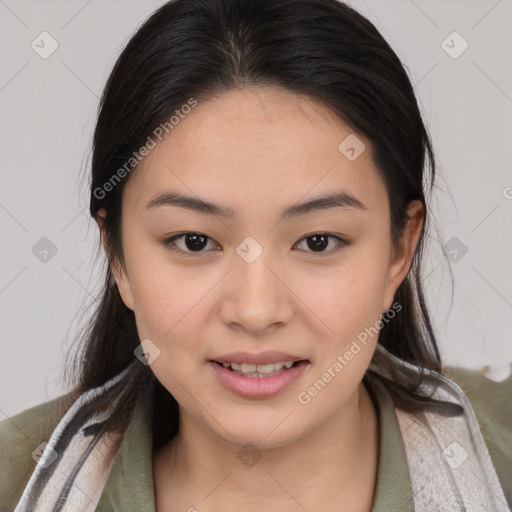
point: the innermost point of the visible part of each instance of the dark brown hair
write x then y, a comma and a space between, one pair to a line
201, 48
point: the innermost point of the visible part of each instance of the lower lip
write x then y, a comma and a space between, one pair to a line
258, 387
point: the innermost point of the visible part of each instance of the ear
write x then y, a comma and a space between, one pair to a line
118, 271
402, 255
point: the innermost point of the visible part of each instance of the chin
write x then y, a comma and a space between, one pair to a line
264, 436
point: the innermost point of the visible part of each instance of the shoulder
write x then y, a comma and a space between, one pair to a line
490, 395
20, 437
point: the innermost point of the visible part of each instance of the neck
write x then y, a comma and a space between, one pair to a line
338, 461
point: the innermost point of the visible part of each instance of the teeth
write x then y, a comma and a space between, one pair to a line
246, 368
268, 368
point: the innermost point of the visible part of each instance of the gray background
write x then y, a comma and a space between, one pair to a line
48, 113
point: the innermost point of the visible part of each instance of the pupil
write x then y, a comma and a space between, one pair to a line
195, 242
319, 242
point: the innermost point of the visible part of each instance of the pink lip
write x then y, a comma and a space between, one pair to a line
261, 358
256, 387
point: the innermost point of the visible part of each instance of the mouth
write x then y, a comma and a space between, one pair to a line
258, 381
260, 371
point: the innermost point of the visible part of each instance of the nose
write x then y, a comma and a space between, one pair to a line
257, 298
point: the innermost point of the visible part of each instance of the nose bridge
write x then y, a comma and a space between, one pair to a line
257, 298
255, 277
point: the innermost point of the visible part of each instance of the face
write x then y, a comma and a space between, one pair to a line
206, 283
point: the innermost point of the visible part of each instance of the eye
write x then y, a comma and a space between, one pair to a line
196, 242
317, 242
193, 242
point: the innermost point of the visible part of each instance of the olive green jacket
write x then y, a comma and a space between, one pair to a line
129, 486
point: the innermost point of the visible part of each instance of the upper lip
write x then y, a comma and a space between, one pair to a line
260, 358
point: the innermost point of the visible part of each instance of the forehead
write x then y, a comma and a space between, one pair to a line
267, 145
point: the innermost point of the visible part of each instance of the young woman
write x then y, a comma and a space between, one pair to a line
259, 180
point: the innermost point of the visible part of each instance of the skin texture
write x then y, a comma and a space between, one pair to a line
259, 150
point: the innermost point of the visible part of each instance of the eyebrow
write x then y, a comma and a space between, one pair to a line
341, 199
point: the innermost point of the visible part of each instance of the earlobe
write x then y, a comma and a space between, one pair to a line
403, 253
123, 285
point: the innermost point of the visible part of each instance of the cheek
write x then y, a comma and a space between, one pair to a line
348, 298
172, 302
350, 304
166, 301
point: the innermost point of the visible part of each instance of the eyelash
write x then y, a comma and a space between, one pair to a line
169, 243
